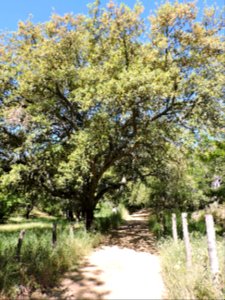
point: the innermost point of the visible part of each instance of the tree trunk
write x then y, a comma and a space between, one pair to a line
29, 209
83, 213
79, 215
89, 216
69, 215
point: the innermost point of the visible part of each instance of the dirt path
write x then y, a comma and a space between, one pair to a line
125, 267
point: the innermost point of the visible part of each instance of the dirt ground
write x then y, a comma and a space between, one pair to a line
126, 266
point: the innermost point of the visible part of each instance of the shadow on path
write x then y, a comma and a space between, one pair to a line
83, 283
123, 250
134, 234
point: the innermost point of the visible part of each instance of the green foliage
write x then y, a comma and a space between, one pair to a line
52, 207
86, 99
217, 211
161, 224
41, 265
139, 196
106, 218
184, 179
195, 283
179, 186
104, 224
154, 226
214, 157
8, 204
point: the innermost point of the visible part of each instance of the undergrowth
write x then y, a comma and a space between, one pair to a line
41, 264
107, 218
162, 227
195, 283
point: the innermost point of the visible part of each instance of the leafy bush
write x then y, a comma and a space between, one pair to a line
197, 226
106, 218
8, 204
161, 225
103, 224
154, 226
196, 282
41, 265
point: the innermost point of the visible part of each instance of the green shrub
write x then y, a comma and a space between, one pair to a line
8, 205
104, 224
154, 226
161, 225
197, 226
106, 218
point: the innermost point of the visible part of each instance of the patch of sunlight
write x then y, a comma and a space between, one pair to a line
40, 214
31, 225
17, 219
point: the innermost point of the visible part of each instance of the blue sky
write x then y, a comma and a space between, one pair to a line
11, 11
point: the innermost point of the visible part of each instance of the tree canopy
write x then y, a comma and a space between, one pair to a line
86, 100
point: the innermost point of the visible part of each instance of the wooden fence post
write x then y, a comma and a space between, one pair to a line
54, 234
71, 230
186, 240
174, 227
211, 238
19, 244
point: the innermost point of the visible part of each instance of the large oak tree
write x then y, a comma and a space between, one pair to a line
82, 96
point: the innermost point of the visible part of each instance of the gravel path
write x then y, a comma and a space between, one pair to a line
125, 267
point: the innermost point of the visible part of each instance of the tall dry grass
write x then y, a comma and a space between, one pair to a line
195, 283
41, 265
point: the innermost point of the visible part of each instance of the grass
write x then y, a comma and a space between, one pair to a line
37, 219
30, 225
41, 265
195, 283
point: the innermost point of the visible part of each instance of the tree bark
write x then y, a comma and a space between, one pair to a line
29, 209
89, 216
69, 215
